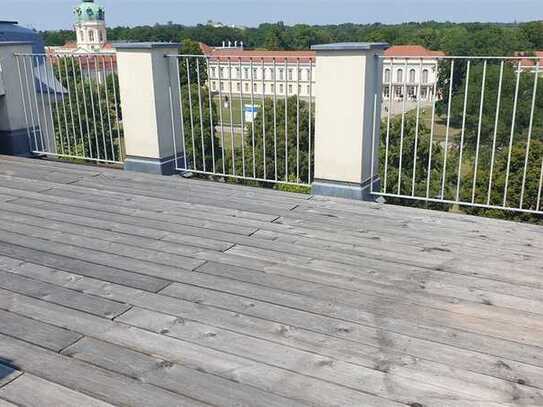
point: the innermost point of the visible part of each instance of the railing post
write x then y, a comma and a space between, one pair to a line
348, 88
15, 126
145, 84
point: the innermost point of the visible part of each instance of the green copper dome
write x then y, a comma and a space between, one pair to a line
88, 10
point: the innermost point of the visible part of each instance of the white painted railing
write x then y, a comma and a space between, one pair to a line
71, 106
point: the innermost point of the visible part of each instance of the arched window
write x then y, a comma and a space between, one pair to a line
387, 75
425, 76
399, 75
412, 76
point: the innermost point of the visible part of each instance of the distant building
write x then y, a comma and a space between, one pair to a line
11, 31
238, 70
530, 65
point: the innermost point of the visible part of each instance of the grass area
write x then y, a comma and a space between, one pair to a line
237, 104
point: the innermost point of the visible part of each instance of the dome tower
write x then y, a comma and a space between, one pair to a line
90, 25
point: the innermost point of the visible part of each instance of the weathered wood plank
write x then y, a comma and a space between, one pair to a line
4, 403
51, 293
39, 333
173, 376
110, 387
31, 391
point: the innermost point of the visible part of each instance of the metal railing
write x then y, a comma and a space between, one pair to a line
472, 135
71, 106
243, 118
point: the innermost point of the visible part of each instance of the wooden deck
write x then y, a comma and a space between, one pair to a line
132, 290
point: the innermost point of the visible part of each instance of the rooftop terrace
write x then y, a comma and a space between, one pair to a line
129, 289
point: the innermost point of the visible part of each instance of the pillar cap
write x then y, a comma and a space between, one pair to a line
351, 46
145, 45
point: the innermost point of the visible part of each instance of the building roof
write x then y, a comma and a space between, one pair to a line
11, 31
235, 54
412, 51
529, 63
88, 10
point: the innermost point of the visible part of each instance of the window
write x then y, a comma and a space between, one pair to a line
290, 89
308, 89
213, 72
246, 87
270, 76
237, 73
246, 72
412, 76
255, 73
308, 72
223, 72
101, 36
281, 88
214, 85
255, 87
387, 75
411, 92
222, 85
399, 75
272, 87
290, 74
299, 74
238, 87
91, 36
425, 76
398, 91
386, 91
424, 93
281, 73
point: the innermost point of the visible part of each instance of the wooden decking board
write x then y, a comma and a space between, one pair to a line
292, 335
292, 299
31, 391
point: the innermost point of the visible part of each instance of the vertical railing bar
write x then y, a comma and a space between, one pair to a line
253, 115
275, 116
77, 105
51, 116
113, 155
298, 120
212, 126
201, 112
446, 149
68, 141
432, 129
310, 126
513, 123
34, 60
172, 118
178, 62
402, 129
85, 106
93, 110
530, 130
479, 128
42, 96
231, 116
286, 119
264, 121
219, 71
70, 102
463, 133
24, 99
31, 109
242, 108
117, 121
496, 124
99, 91
416, 147
387, 139
374, 131
191, 113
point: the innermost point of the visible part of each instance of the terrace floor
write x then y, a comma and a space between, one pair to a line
132, 290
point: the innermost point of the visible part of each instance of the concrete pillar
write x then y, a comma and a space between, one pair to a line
144, 82
349, 76
14, 126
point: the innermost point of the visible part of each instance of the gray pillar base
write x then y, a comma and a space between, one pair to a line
347, 190
162, 166
15, 142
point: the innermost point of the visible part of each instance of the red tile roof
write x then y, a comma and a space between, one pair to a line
528, 63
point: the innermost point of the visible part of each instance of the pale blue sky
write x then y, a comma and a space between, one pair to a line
52, 14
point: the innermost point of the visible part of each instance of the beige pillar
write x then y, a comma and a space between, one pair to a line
14, 124
348, 88
145, 83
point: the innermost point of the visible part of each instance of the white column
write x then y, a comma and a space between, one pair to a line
144, 81
14, 124
349, 85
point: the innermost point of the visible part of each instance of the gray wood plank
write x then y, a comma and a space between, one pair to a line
31, 391
51, 293
84, 378
39, 333
4, 403
173, 376
421, 353
106, 273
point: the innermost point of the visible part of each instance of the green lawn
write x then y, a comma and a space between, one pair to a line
236, 103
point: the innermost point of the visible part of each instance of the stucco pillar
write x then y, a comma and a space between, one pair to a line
145, 83
14, 125
349, 77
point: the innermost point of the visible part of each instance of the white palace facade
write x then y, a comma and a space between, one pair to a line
289, 73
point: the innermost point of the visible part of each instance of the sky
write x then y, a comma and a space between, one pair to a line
57, 14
